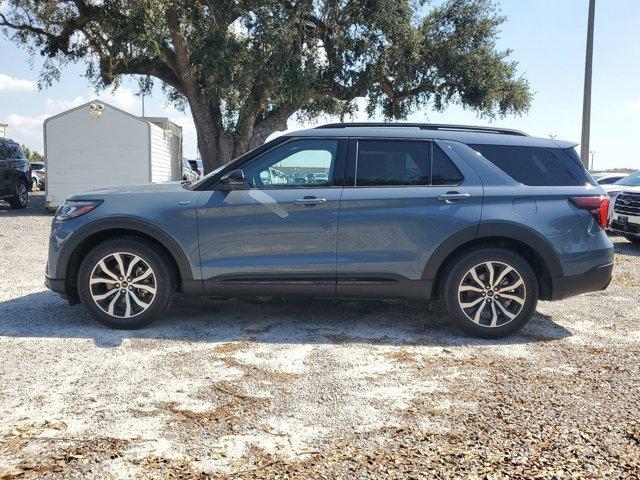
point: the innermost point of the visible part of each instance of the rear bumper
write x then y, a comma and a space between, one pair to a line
594, 280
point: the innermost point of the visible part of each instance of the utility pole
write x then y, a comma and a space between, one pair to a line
593, 161
142, 105
586, 101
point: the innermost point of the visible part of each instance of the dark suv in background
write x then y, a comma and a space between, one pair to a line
15, 174
487, 220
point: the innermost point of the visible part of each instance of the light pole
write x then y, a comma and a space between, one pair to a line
593, 160
586, 101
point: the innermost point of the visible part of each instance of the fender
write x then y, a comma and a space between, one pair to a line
126, 223
510, 230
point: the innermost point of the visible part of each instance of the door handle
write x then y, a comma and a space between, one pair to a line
310, 201
451, 197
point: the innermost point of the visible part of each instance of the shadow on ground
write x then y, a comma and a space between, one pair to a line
35, 207
192, 319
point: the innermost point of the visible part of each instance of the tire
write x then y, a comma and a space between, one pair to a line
115, 310
21, 199
633, 239
488, 313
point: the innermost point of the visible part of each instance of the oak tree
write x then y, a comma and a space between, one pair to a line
244, 67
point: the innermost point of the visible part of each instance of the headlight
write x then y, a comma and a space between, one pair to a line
75, 208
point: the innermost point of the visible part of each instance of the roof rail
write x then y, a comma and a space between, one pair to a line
428, 126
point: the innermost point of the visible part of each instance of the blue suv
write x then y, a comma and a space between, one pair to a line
487, 220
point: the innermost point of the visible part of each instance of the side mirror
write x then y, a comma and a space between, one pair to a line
234, 180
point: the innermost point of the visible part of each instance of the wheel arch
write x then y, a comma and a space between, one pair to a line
96, 232
525, 241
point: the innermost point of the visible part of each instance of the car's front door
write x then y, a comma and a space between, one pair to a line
279, 234
403, 199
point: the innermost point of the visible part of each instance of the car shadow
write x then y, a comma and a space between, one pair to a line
193, 319
34, 208
622, 246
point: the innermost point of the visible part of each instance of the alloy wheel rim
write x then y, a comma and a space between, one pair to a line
22, 194
123, 285
492, 294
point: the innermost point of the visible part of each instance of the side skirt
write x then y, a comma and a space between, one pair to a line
369, 286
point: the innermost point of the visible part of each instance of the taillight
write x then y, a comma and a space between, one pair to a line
598, 205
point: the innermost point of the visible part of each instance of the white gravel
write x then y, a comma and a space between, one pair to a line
222, 387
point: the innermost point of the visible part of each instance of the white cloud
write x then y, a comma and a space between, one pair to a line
10, 84
634, 104
122, 98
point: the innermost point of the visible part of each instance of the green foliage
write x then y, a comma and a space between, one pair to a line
32, 155
245, 66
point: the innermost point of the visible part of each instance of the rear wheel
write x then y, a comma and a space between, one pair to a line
490, 292
21, 197
125, 283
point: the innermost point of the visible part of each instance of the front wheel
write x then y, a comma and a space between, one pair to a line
126, 283
21, 197
490, 292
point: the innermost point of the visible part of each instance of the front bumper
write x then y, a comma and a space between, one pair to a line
594, 280
629, 229
55, 284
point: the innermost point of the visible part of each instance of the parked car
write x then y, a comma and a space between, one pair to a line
632, 180
320, 178
626, 214
299, 177
15, 174
487, 220
196, 166
38, 176
608, 178
188, 173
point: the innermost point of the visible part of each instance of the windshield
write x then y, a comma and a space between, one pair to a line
37, 166
632, 180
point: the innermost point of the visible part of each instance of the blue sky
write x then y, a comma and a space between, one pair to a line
547, 38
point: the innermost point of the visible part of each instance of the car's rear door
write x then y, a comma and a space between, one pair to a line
402, 199
276, 237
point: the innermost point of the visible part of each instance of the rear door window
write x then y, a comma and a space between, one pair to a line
534, 166
385, 163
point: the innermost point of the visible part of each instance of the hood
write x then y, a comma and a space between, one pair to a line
128, 189
615, 188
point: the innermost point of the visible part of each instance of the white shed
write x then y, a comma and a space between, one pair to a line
96, 145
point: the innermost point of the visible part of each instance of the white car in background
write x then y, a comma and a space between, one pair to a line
38, 176
632, 180
188, 173
196, 166
625, 214
608, 178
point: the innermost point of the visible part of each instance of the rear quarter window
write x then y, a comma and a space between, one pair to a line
534, 166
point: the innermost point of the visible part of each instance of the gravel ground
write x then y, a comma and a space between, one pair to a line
316, 389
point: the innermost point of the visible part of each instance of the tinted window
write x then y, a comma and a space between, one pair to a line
608, 180
302, 163
4, 151
392, 162
536, 166
444, 171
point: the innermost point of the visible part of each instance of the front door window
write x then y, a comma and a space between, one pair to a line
301, 163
